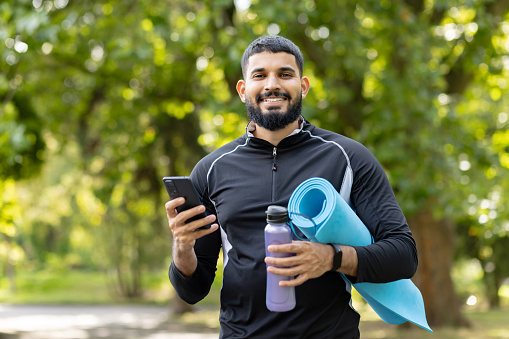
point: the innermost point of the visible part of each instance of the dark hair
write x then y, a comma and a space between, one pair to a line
272, 44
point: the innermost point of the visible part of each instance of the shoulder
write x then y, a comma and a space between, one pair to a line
203, 166
355, 152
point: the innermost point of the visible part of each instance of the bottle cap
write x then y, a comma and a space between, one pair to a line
276, 214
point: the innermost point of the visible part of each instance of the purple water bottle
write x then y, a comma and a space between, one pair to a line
279, 298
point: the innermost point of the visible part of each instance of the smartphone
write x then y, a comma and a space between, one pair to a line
183, 187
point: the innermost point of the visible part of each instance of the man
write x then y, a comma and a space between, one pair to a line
237, 183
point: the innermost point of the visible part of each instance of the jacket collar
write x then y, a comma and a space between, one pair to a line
251, 127
293, 138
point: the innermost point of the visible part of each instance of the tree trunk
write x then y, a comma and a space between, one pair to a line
10, 268
491, 283
435, 244
178, 306
493, 280
11, 276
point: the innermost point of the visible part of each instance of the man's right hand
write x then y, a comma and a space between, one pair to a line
185, 235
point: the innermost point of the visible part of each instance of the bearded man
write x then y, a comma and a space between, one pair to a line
238, 181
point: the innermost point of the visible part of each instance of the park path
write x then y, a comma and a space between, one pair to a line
95, 322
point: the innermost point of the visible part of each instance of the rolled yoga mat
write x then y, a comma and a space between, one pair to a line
335, 222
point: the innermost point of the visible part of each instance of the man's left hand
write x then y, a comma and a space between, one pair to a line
311, 260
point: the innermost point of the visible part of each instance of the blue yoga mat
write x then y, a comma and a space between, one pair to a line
331, 220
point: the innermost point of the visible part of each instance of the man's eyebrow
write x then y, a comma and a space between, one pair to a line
259, 69
289, 69
281, 69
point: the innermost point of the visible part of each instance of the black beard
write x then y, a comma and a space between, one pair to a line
274, 121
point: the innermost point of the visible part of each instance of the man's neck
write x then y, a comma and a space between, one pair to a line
275, 137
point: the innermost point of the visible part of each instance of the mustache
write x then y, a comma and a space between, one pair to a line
272, 94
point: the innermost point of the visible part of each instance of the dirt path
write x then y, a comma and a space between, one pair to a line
96, 322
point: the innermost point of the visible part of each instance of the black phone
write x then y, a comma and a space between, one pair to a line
183, 187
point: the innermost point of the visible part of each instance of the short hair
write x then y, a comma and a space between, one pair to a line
272, 44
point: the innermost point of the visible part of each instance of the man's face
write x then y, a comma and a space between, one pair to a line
273, 90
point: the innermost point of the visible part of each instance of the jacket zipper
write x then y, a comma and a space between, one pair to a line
274, 169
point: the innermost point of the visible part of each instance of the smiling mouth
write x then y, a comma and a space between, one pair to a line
273, 99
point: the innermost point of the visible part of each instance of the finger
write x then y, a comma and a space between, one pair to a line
188, 234
285, 271
294, 282
283, 262
293, 247
197, 224
187, 214
299, 276
204, 231
172, 205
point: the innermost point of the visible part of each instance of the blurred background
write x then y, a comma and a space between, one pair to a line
101, 99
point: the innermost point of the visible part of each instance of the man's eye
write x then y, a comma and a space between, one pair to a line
286, 75
258, 76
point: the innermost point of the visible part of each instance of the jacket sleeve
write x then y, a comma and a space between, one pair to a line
393, 255
195, 288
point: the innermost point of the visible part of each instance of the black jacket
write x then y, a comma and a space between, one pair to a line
237, 183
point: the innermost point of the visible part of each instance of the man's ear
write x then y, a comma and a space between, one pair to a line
241, 89
304, 82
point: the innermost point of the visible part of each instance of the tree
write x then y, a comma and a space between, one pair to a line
21, 147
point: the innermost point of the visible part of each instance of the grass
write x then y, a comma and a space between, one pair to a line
77, 287
89, 287
485, 324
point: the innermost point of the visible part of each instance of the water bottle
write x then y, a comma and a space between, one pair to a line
278, 298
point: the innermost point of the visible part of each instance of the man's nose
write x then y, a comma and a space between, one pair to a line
272, 83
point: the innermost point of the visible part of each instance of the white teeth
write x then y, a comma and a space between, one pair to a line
274, 100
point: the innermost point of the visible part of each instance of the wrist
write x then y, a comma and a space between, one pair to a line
350, 262
329, 258
182, 247
337, 257
185, 262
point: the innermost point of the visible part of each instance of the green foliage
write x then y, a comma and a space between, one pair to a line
21, 146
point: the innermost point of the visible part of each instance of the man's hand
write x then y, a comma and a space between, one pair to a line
311, 260
185, 235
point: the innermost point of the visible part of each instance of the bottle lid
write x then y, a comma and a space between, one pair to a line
276, 214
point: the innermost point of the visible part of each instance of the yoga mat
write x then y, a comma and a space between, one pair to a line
331, 220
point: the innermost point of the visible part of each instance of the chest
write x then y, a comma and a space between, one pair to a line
242, 187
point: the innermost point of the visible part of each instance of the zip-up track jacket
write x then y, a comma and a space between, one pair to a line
237, 183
